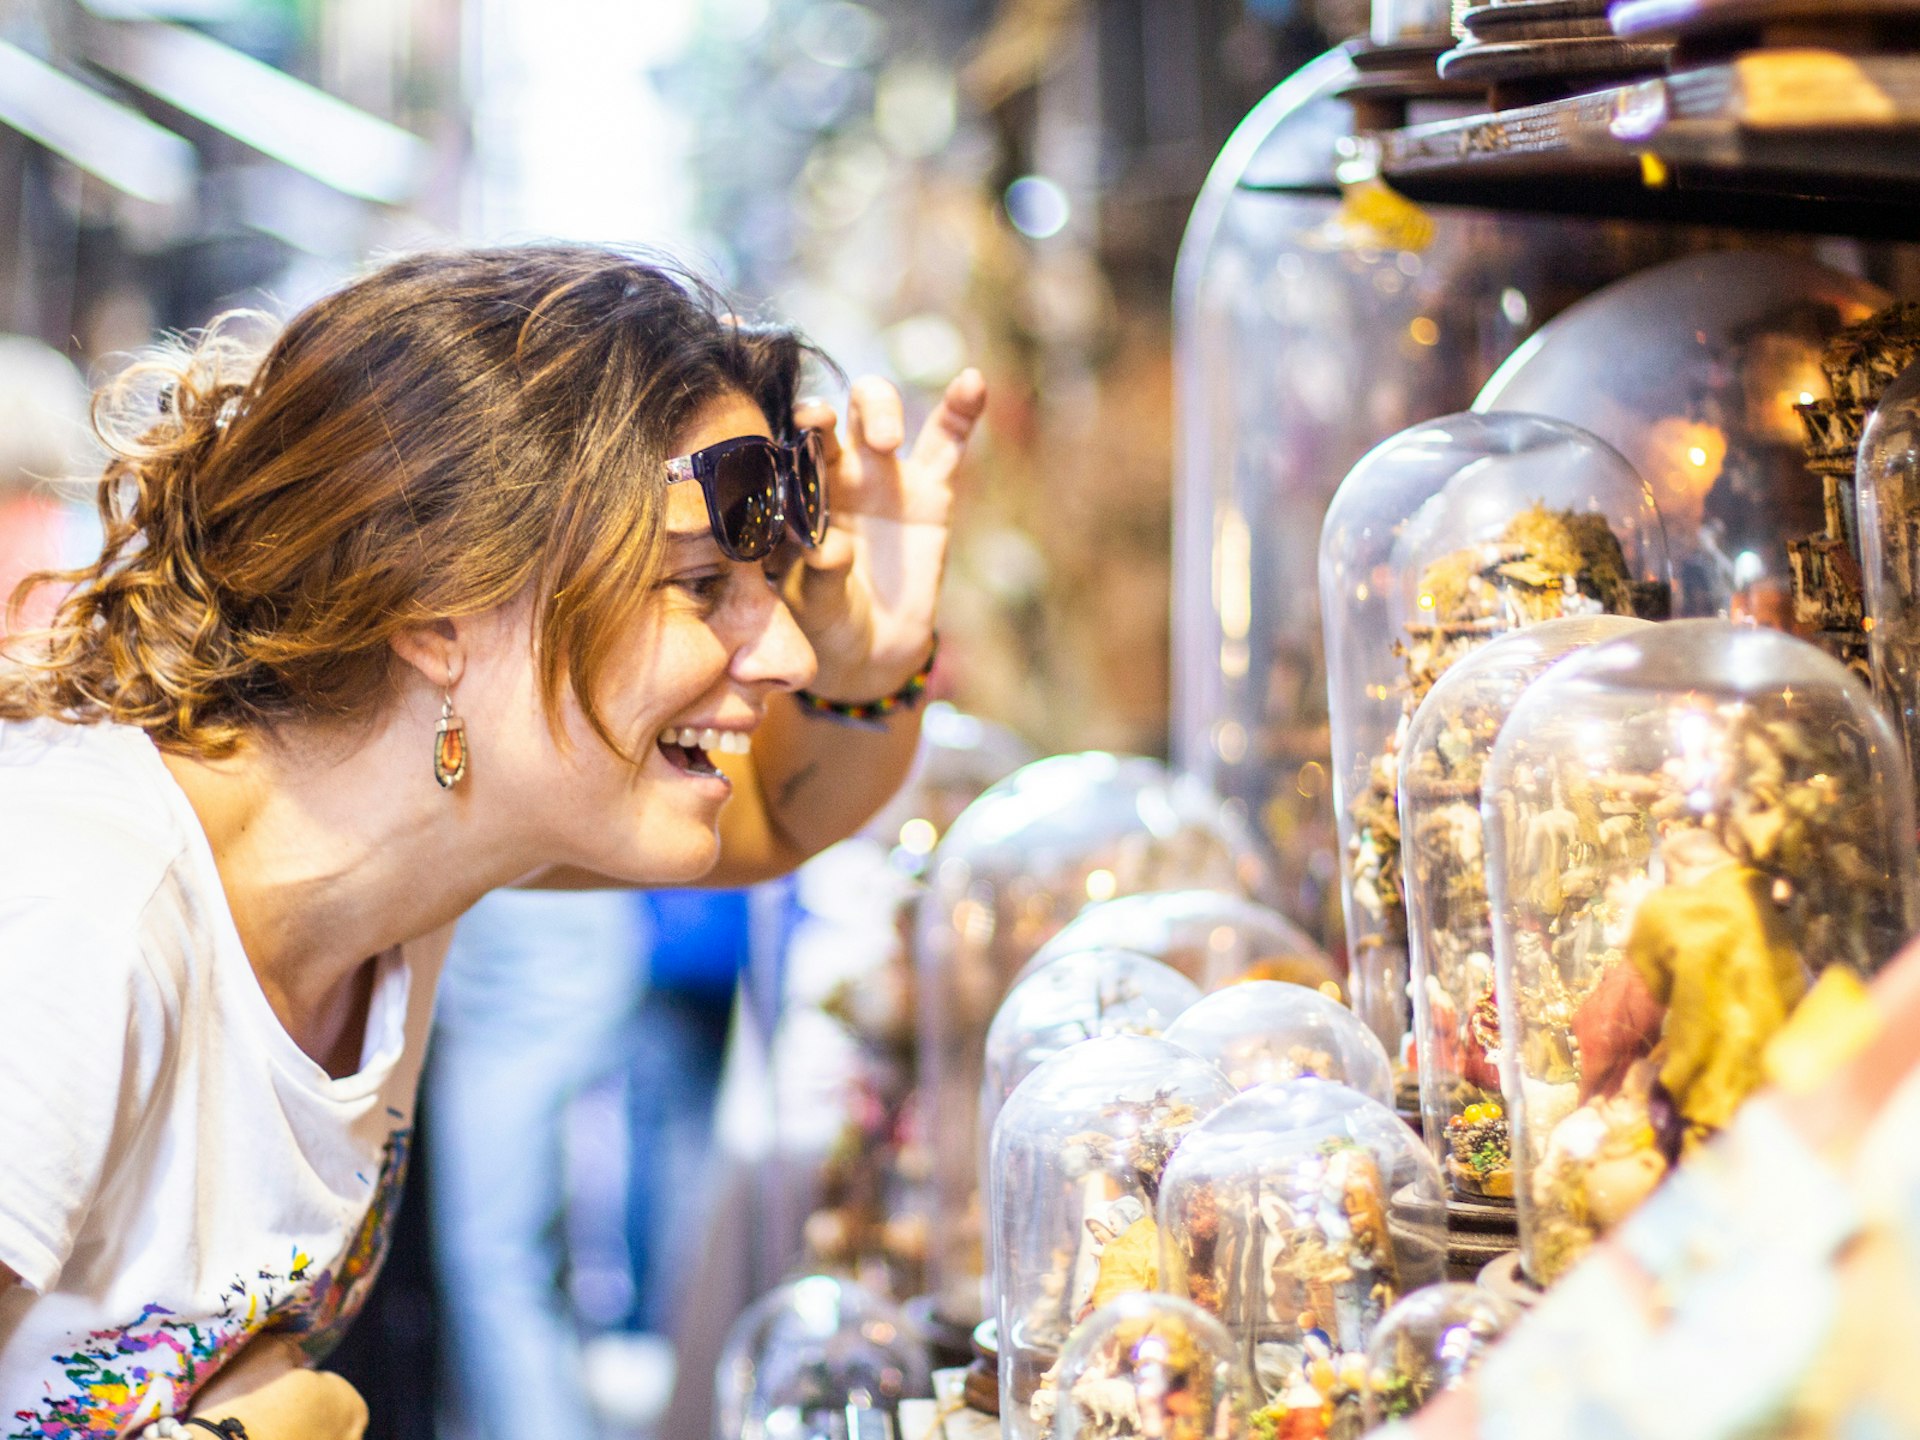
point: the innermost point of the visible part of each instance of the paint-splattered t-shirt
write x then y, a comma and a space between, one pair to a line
176, 1175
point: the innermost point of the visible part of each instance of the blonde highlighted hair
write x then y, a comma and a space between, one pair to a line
444, 435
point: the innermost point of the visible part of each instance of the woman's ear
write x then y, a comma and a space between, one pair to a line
435, 650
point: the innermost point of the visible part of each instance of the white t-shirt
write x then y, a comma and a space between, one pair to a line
176, 1175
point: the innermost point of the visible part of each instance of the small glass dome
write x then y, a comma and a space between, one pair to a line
1428, 1343
1887, 483
1016, 865
1267, 1030
1298, 1213
1456, 1020
1147, 1365
1077, 1159
809, 1360
1073, 997
1212, 937
1685, 827
1442, 537
1694, 370
959, 757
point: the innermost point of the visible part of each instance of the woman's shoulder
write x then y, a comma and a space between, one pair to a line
86, 819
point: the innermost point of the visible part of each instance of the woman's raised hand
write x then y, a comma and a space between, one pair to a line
866, 596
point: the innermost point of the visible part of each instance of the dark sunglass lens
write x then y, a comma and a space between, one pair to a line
809, 474
746, 493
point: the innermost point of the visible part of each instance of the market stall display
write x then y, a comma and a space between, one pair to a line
1016, 865
819, 1358
1213, 937
1078, 1153
1689, 829
1298, 1213
1265, 1030
1153, 1367
1456, 1016
1442, 537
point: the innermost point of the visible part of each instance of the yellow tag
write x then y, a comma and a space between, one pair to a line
1653, 171
1373, 211
1834, 1023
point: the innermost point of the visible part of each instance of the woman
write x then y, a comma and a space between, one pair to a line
520, 503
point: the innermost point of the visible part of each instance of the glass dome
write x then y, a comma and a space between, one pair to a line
1887, 483
960, 756
1693, 370
1685, 827
1442, 537
1016, 865
1302, 335
1147, 1365
1266, 1030
1073, 997
1456, 1021
1078, 1154
1428, 1343
811, 1360
1211, 937
1298, 1213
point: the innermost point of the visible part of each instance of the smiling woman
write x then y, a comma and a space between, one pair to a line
405, 609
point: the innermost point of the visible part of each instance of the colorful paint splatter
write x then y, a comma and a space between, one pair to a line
123, 1377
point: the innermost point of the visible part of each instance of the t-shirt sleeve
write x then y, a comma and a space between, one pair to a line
82, 1033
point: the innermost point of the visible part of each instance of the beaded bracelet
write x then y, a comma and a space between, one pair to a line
171, 1429
869, 710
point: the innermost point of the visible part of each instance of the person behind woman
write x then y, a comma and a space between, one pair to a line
444, 593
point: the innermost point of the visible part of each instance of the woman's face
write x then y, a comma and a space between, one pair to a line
705, 652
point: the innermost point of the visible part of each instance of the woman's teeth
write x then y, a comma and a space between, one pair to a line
725, 742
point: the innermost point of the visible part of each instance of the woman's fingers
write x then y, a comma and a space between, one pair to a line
943, 439
814, 414
879, 422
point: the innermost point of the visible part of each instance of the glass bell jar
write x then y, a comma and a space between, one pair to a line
1309, 322
1428, 1343
1694, 370
817, 1359
1442, 537
960, 757
1212, 937
1266, 1030
1688, 828
1077, 1158
1017, 864
1298, 1213
1887, 482
1148, 1366
1078, 996
1456, 1019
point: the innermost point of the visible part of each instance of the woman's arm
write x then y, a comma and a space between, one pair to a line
270, 1390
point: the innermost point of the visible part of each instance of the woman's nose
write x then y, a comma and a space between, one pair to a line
777, 651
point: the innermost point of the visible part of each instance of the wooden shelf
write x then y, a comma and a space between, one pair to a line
1806, 140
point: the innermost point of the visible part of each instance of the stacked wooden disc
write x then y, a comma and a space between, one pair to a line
1714, 29
1526, 50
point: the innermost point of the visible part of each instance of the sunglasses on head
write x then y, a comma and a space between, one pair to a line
758, 489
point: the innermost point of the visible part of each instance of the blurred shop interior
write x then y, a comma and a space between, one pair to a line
1203, 288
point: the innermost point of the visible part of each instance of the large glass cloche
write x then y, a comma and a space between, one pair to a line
812, 1360
1212, 937
1442, 537
1694, 370
1456, 1015
1265, 1030
1887, 482
1688, 828
1077, 1158
1298, 1213
1018, 864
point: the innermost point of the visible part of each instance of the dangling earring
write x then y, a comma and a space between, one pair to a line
449, 744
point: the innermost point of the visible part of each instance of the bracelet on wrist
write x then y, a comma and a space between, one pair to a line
863, 711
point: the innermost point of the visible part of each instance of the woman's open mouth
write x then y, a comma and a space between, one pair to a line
687, 749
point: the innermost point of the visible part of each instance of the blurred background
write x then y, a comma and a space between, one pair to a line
922, 185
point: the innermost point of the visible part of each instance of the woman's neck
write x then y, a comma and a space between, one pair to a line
333, 849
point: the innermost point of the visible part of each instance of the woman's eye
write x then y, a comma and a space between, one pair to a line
706, 586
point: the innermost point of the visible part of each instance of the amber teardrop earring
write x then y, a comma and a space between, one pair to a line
449, 744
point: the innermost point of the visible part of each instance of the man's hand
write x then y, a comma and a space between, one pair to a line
866, 596
268, 1388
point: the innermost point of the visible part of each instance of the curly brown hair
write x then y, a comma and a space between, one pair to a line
443, 435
